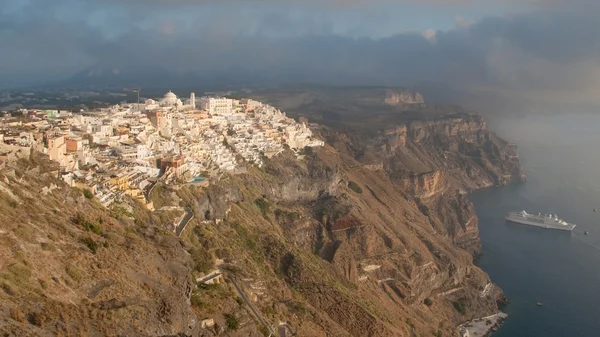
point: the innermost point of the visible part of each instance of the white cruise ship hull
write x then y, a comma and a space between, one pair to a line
569, 227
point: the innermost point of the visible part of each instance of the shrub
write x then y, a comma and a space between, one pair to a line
88, 194
263, 205
292, 216
78, 219
459, 306
73, 272
90, 227
37, 318
298, 308
428, 302
203, 261
119, 211
251, 243
286, 218
308, 151
20, 272
231, 321
354, 186
47, 247
270, 311
86, 225
90, 243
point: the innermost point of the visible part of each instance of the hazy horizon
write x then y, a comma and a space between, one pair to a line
530, 54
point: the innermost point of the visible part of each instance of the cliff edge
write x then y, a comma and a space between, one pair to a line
436, 160
370, 235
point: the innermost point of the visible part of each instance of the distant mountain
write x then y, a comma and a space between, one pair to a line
112, 77
103, 77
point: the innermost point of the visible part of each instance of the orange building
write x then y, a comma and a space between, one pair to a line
73, 144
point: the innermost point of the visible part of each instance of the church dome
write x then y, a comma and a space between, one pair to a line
169, 99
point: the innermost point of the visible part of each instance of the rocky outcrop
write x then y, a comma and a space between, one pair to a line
433, 158
395, 137
401, 97
465, 126
424, 185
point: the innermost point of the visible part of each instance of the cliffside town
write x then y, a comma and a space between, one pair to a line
124, 149
356, 227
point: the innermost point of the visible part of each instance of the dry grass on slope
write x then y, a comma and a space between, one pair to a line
68, 266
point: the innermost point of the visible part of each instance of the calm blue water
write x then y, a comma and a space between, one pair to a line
561, 157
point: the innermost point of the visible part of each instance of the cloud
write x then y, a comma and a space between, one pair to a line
167, 29
461, 22
336, 2
430, 35
547, 54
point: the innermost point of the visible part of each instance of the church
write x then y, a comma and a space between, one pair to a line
171, 101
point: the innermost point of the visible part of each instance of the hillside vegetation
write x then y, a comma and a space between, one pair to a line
363, 237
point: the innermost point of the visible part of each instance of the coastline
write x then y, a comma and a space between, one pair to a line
482, 327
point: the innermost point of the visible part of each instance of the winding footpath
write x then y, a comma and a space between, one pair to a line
185, 219
251, 306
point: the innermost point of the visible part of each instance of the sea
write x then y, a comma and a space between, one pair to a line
561, 158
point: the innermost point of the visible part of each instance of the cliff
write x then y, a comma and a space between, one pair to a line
345, 244
436, 160
371, 235
400, 97
70, 267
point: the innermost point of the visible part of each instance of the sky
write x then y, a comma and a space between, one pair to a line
546, 50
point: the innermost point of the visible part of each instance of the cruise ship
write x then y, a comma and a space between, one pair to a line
547, 221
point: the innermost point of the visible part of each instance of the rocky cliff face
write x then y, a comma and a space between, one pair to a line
352, 246
366, 231
399, 97
363, 237
435, 161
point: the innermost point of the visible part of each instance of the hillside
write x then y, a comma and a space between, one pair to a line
371, 235
71, 267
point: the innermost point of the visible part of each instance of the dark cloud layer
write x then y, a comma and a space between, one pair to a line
547, 54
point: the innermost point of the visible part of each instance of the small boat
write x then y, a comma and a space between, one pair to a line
539, 304
595, 210
586, 233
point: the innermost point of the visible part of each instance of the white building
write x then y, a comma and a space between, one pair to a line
193, 100
170, 100
251, 105
151, 105
220, 106
105, 131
